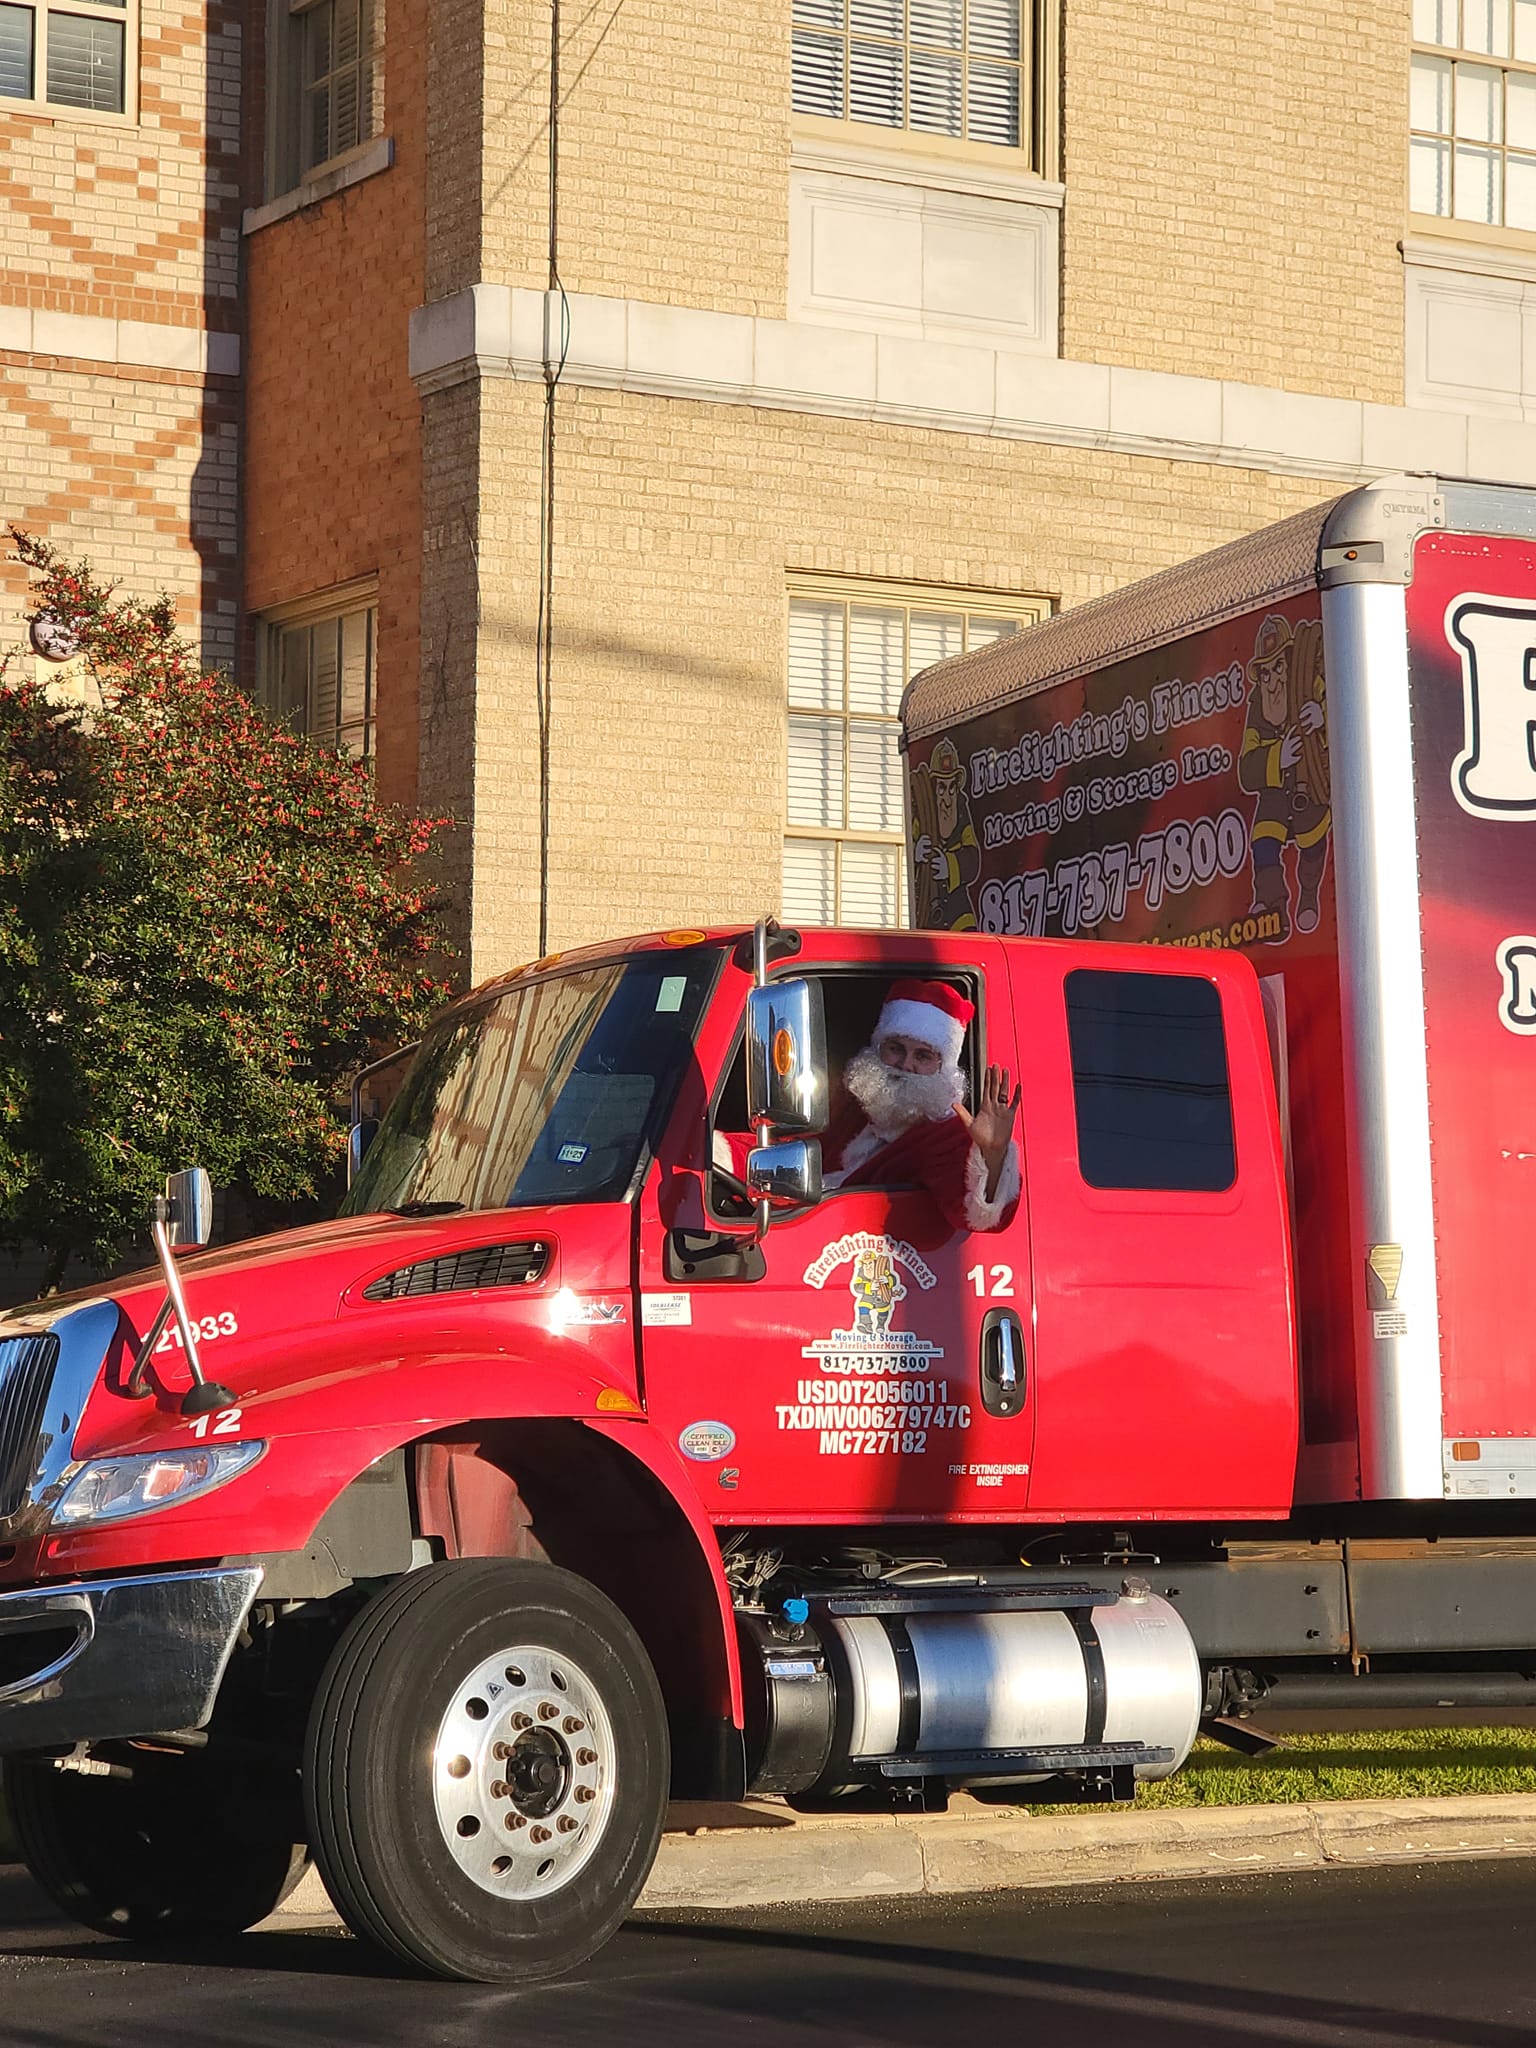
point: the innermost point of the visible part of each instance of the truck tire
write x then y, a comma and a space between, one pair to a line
177, 1851
486, 1771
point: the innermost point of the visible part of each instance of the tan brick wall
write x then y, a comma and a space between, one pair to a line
333, 439
130, 221
677, 524
1236, 189
674, 150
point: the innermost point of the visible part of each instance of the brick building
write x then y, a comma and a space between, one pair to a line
604, 478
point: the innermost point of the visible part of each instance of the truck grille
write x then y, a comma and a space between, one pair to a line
488, 1265
26, 1374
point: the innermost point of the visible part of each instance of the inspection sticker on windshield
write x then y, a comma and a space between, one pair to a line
669, 997
666, 1311
571, 1155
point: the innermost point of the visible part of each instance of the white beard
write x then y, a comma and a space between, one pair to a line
894, 1101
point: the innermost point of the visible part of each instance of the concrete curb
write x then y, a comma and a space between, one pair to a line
762, 1854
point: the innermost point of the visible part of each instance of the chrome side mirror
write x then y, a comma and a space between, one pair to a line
359, 1138
787, 1176
188, 1207
787, 1057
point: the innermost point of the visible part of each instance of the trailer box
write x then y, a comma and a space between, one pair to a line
1316, 746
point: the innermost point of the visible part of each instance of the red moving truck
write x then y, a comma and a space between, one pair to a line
566, 1471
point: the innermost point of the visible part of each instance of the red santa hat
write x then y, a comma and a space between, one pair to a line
931, 1012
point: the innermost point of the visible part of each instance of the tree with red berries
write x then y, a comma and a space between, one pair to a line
207, 924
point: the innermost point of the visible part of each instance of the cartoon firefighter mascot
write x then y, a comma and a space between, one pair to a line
946, 857
876, 1291
1285, 765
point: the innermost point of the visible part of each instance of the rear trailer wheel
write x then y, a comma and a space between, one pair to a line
186, 1846
486, 1771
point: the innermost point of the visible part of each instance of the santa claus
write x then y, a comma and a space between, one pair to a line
906, 1123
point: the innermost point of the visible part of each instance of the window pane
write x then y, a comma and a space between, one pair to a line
356, 715
16, 27
874, 778
1520, 110
815, 655
994, 28
85, 63
876, 659
810, 881
876, 84
935, 636
816, 772
1477, 185
982, 632
818, 75
1149, 1077
871, 891
325, 682
1429, 95
1520, 192
1479, 100
345, 34
1485, 26
938, 94
824, 13
1429, 177
994, 105
290, 695
317, 42
939, 23
1525, 30
1434, 21
876, 17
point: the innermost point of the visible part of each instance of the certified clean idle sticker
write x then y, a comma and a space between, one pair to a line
706, 1442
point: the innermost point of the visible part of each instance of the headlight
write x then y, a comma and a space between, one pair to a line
112, 1489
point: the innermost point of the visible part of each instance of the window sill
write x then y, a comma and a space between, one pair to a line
366, 161
950, 162
1467, 235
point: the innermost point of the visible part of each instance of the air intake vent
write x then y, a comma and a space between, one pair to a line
488, 1265
26, 1374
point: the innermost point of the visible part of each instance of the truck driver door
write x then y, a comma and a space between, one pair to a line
856, 1364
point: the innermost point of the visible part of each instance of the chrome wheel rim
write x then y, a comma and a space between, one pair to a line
523, 1772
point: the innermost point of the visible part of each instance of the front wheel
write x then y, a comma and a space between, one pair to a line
486, 1771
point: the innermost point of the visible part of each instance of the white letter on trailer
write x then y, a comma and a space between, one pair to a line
1517, 964
1494, 776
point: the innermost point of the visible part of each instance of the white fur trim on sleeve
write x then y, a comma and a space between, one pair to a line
981, 1214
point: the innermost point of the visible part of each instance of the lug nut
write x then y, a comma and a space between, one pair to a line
501, 1751
548, 1711
571, 1725
584, 1793
586, 1756
514, 1821
567, 1824
538, 1835
521, 1721
500, 1789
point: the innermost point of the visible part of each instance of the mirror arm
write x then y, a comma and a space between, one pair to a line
203, 1395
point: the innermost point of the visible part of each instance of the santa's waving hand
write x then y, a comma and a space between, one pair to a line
905, 1120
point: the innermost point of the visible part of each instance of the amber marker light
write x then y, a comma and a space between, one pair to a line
1466, 1454
614, 1401
783, 1053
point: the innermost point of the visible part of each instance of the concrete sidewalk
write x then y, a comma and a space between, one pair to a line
762, 1854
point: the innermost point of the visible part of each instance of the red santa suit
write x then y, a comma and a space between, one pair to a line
935, 1150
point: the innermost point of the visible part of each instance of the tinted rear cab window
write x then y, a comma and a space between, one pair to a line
1149, 1076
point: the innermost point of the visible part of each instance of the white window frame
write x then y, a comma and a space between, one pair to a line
1460, 56
1023, 608
126, 18
323, 608
1038, 149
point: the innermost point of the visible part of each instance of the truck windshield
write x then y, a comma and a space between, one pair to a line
544, 1093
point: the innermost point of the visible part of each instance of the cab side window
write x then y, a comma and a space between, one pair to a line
1150, 1081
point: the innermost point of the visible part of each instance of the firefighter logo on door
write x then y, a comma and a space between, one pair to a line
874, 1395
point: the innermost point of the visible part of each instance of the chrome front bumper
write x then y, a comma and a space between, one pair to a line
96, 1658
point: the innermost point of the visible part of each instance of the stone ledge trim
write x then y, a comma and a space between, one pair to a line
131, 344
494, 330
366, 161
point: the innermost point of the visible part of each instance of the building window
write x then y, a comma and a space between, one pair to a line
318, 676
1472, 153
934, 67
327, 78
851, 654
73, 56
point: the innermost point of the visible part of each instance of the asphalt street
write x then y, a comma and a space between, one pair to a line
1413, 1955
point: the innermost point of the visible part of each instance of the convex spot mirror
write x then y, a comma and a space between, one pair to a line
786, 1176
787, 1057
189, 1206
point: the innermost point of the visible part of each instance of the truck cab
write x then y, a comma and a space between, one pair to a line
569, 1466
